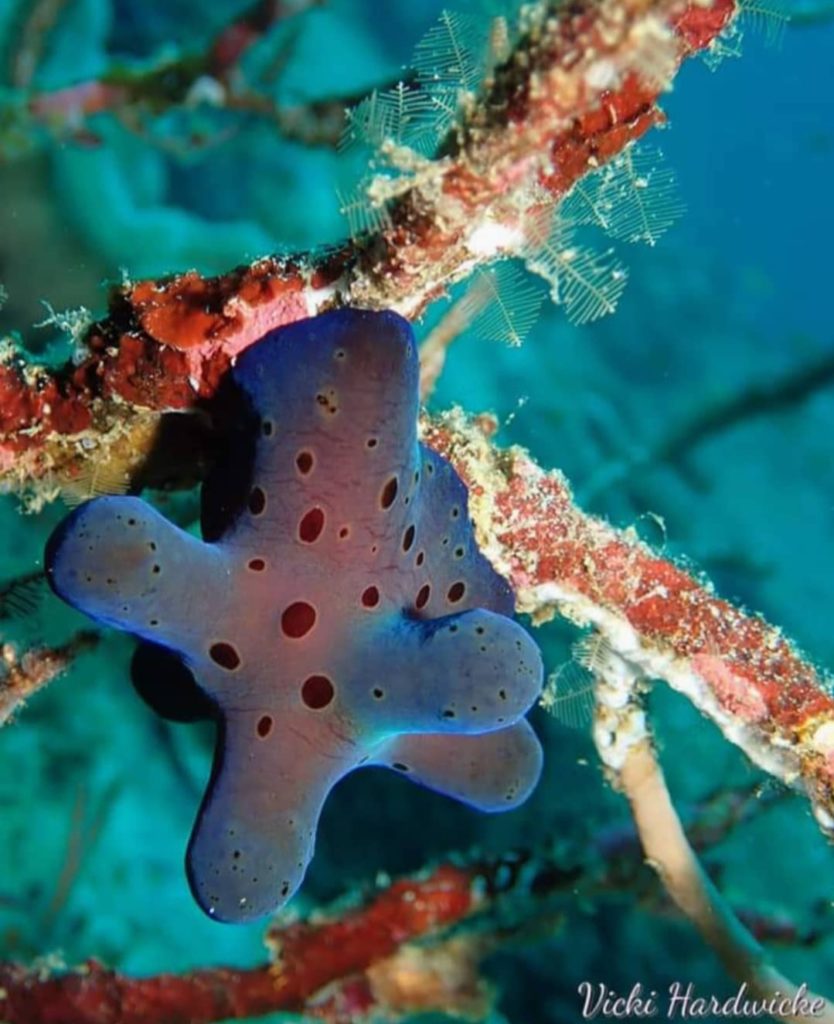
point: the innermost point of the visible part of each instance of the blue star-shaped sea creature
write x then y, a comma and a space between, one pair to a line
338, 614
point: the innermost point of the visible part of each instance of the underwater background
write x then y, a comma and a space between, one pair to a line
97, 795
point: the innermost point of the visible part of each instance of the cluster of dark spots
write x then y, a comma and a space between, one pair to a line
448, 713
329, 401
311, 525
458, 552
456, 592
298, 619
224, 655
304, 462
455, 512
370, 597
421, 557
257, 501
423, 595
151, 545
340, 354
378, 693
153, 622
131, 521
372, 442
156, 569
400, 767
285, 888
408, 538
344, 533
317, 692
264, 726
389, 493
256, 564
267, 428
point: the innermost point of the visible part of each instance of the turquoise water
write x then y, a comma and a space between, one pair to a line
736, 295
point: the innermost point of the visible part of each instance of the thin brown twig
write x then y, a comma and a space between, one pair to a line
454, 322
669, 853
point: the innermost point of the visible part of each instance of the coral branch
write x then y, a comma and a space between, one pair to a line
308, 957
738, 670
22, 676
581, 85
166, 84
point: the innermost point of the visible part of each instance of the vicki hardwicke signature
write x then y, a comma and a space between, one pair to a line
681, 1001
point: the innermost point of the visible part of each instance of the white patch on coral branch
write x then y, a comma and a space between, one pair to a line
491, 239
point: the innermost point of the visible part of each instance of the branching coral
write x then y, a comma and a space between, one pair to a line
580, 86
135, 93
411, 945
741, 672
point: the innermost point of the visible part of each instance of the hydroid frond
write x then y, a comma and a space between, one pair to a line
20, 597
505, 303
592, 652
452, 54
766, 16
634, 198
96, 480
644, 197
588, 202
403, 115
362, 214
586, 283
569, 696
